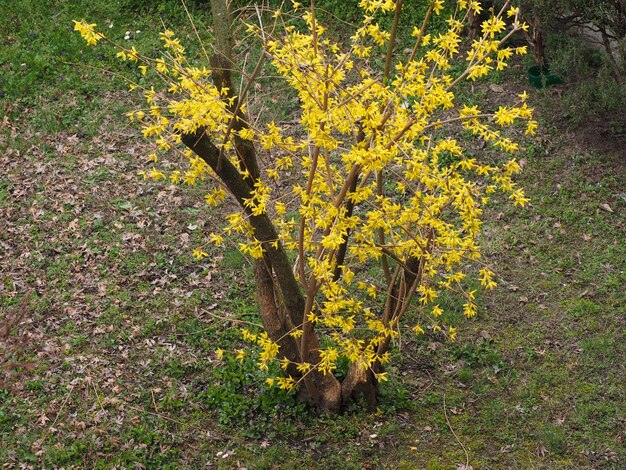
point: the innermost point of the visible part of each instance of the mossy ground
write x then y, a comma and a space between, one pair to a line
118, 365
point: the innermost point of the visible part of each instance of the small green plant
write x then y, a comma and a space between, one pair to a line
554, 438
483, 354
239, 396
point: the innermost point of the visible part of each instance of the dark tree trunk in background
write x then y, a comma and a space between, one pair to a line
475, 21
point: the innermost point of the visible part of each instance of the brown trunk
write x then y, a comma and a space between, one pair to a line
222, 22
322, 389
275, 320
280, 300
360, 384
475, 21
537, 38
473, 26
617, 69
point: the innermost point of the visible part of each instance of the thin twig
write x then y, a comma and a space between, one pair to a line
193, 25
453, 433
234, 320
98, 395
156, 408
181, 423
67, 397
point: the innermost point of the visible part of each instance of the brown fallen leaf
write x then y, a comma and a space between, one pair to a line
605, 207
493, 379
434, 346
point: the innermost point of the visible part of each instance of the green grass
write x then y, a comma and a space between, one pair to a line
124, 325
48, 68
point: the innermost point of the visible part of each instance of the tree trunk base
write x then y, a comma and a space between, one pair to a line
360, 384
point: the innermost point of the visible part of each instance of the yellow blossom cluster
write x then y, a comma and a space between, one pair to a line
88, 32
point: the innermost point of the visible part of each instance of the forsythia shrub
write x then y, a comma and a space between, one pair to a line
378, 179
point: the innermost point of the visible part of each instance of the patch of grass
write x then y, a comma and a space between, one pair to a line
554, 438
485, 353
233, 259
8, 417
46, 65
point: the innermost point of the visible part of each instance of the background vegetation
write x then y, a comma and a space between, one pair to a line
586, 42
116, 351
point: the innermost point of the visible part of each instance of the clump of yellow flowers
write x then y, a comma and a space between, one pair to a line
384, 211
